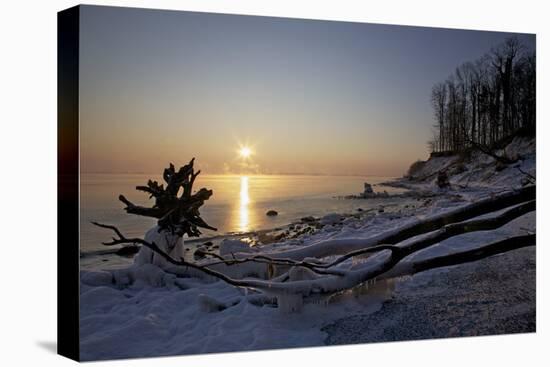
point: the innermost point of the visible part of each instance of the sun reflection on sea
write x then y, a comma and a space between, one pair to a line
243, 207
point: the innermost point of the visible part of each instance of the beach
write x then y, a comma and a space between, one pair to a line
146, 310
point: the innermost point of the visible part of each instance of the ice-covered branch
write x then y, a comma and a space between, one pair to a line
328, 278
345, 245
178, 262
456, 258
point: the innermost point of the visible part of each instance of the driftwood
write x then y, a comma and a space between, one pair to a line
447, 231
494, 248
480, 207
179, 214
333, 276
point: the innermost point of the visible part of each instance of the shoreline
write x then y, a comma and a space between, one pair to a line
257, 238
417, 195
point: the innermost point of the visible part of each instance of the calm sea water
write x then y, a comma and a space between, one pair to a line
239, 203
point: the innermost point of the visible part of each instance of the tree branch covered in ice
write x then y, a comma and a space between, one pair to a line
341, 246
305, 272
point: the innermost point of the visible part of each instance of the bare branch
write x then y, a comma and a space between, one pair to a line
475, 254
341, 246
181, 262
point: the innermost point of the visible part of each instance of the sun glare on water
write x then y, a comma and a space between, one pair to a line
243, 208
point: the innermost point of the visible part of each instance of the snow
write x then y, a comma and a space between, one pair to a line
156, 321
144, 311
229, 246
166, 241
148, 309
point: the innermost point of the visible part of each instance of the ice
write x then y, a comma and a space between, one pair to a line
166, 241
230, 246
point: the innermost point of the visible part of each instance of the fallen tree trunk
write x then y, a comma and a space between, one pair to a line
448, 231
341, 246
318, 278
478, 253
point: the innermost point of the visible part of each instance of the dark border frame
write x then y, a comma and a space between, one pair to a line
68, 263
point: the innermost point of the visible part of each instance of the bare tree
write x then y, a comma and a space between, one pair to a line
486, 100
439, 98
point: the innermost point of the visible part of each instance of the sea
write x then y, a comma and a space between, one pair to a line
238, 205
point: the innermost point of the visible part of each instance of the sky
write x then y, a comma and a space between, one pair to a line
307, 96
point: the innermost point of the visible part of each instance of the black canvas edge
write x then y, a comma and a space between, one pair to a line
68, 263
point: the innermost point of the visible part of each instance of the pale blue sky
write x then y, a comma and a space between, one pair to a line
308, 96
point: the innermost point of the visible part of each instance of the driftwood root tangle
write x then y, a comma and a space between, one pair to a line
180, 214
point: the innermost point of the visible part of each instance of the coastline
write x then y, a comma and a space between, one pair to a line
485, 297
110, 258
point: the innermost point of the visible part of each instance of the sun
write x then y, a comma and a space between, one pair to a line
245, 152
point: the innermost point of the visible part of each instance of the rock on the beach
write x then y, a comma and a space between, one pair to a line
271, 213
127, 250
199, 253
332, 218
308, 219
368, 188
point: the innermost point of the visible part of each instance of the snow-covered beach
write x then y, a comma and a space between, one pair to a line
131, 311
473, 299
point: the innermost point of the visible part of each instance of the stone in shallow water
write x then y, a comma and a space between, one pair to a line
271, 213
368, 188
127, 250
307, 219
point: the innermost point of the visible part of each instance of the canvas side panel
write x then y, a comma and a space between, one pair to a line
68, 183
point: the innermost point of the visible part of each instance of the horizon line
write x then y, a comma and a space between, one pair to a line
244, 174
